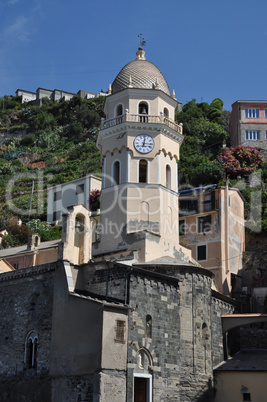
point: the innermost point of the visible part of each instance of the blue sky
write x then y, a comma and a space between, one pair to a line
204, 48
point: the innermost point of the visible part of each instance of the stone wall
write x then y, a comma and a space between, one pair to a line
26, 305
219, 307
253, 336
181, 355
186, 341
72, 388
103, 279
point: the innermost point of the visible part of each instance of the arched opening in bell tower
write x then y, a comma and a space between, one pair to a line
143, 111
166, 112
142, 171
119, 110
119, 113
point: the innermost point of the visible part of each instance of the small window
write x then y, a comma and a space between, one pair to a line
201, 253
252, 113
182, 229
36, 241
205, 335
16, 265
56, 215
148, 326
58, 195
116, 173
204, 224
246, 396
80, 189
252, 135
265, 113
142, 171
168, 176
120, 331
31, 350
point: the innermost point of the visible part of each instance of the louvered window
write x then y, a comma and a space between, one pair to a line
120, 331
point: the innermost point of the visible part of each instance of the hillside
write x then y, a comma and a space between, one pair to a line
46, 145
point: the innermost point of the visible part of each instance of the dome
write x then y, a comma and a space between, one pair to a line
140, 73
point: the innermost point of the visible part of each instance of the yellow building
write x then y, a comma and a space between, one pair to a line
242, 378
212, 226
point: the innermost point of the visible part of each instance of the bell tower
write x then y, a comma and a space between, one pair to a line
139, 143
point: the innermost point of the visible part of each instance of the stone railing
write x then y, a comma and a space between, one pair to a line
141, 118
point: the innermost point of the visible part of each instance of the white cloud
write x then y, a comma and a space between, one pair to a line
18, 30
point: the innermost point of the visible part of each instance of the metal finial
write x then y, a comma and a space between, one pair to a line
142, 41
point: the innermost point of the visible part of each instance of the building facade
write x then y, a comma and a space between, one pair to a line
74, 192
212, 226
54, 95
248, 124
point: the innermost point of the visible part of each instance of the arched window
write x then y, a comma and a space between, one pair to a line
143, 111
119, 112
36, 241
116, 173
166, 112
168, 176
142, 171
205, 336
31, 350
148, 326
205, 339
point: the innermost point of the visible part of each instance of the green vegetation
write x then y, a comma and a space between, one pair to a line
205, 133
18, 234
54, 142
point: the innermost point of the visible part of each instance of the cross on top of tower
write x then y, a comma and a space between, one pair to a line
142, 41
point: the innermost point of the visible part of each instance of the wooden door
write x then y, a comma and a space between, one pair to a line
140, 389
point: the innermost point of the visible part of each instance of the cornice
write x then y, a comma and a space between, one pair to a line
26, 272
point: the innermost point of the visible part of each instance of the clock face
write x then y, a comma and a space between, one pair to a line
143, 143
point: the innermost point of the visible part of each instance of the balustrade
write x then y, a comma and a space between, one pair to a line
141, 118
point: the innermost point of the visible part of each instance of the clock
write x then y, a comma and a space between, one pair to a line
143, 143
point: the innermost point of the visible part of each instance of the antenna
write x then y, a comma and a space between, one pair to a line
142, 41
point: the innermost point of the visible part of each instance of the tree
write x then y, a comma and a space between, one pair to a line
204, 136
17, 236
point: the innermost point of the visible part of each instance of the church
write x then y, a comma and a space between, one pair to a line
132, 316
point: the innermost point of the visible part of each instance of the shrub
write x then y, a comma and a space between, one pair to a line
28, 140
17, 236
44, 229
240, 160
94, 200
